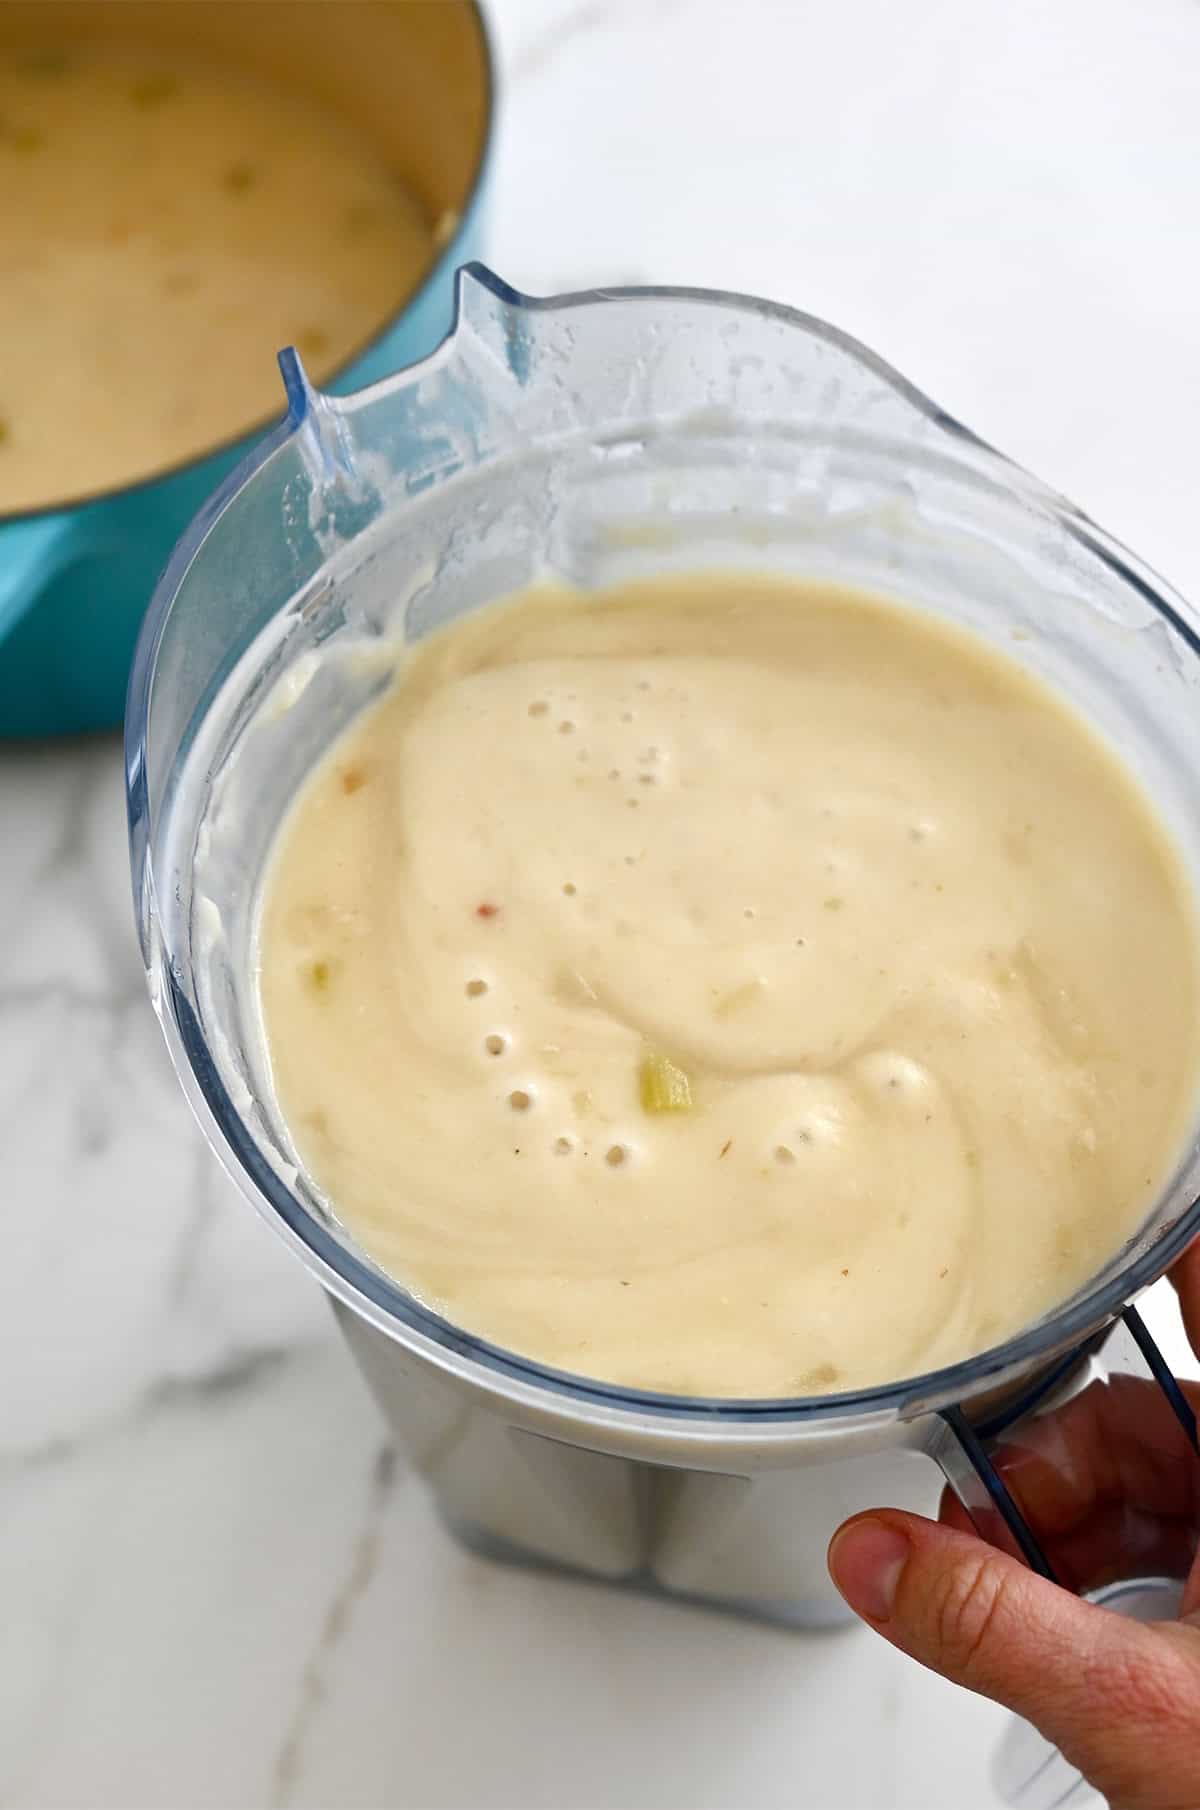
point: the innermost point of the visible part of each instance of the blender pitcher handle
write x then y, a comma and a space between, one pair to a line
1036, 1472
1092, 1476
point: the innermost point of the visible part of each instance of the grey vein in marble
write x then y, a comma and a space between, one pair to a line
542, 50
336, 1622
238, 1371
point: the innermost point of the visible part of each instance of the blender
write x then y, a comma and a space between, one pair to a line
599, 437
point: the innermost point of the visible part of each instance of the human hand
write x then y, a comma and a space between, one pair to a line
1110, 1493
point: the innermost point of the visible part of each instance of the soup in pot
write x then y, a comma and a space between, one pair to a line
169, 222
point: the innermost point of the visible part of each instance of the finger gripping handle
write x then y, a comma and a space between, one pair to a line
1092, 1473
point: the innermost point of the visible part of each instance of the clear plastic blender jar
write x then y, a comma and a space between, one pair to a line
602, 436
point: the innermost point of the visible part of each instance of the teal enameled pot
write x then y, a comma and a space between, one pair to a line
75, 576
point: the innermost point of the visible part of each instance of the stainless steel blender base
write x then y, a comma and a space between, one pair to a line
799, 1617
749, 1539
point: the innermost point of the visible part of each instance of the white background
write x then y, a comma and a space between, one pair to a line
212, 1589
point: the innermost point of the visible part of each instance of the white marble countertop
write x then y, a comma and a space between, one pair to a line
215, 1588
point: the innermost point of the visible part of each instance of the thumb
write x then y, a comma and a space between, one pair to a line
1121, 1699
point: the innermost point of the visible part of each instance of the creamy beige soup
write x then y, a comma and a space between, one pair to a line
729, 986
168, 223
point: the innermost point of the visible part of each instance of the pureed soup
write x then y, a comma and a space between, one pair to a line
168, 222
729, 986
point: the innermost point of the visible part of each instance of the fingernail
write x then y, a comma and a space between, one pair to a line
865, 1560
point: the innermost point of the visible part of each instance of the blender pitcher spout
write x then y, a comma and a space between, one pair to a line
671, 351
